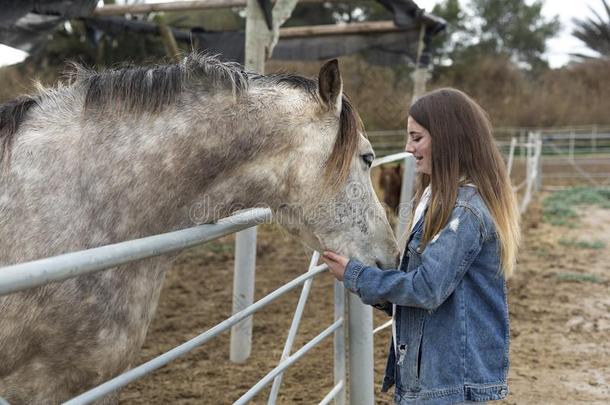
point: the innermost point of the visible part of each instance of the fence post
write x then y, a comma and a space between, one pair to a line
245, 241
511, 154
529, 172
361, 364
406, 194
539, 145
594, 139
571, 150
339, 343
243, 293
522, 142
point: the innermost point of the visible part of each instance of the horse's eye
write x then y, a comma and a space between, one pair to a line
368, 159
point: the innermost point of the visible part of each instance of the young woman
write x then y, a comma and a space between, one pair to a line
451, 333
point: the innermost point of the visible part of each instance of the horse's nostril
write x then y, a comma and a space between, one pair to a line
397, 261
379, 264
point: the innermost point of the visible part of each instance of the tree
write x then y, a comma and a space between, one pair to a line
450, 38
594, 32
516, 28
496, 27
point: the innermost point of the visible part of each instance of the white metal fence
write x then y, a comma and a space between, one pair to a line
539, 157
23, 276
568, 156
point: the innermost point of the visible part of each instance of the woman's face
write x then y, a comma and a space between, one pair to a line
419, 143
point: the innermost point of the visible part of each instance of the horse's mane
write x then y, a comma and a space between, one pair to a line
137, 89
12, 114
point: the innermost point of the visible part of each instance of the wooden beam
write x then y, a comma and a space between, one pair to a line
142, 8
370, 27
146, 27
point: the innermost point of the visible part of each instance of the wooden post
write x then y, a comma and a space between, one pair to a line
100, 52
171, 47
421, 72
257, 35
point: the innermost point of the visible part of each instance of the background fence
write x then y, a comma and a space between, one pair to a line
568, 156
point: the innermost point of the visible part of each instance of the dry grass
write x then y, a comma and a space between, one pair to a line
573, 95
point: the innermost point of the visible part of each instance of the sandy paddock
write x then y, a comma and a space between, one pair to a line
559, 304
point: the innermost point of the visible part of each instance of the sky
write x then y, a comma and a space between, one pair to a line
558, 48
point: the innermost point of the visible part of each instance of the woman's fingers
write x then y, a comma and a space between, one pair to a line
336, 264
330, 255
335, 257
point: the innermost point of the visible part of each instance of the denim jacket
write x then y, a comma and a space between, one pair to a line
452, 314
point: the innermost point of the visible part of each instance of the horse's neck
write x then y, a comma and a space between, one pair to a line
182, 162
84, 182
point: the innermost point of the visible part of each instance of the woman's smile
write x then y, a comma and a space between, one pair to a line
419, 143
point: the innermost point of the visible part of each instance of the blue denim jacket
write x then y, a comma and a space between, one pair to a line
452, 314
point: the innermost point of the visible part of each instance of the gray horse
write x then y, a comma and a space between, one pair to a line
130, 152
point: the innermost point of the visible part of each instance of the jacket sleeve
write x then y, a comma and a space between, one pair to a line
444, 262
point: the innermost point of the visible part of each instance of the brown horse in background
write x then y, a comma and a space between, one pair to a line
390, 181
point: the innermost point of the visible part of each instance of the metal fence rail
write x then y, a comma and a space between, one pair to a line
289, 361
571, 140
144, 369
294, 327
567, 155
22, 276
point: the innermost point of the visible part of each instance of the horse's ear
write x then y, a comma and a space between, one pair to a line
330, 85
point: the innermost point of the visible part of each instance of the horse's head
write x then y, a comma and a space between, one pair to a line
329, 201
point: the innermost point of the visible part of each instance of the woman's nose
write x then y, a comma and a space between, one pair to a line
409, 148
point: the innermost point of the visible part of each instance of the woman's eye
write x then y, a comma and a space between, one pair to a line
368, 159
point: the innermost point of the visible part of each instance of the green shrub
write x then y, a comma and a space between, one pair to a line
558, 208
583, 244
590, 278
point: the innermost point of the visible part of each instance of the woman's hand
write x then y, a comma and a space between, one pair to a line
336, 263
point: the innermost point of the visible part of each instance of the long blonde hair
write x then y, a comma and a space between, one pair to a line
463, 147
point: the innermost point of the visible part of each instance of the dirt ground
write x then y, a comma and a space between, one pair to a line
559, 305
